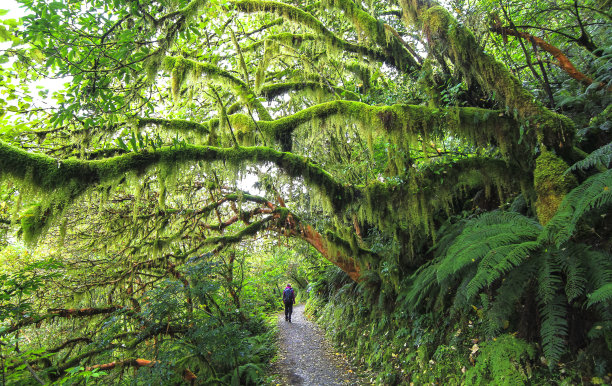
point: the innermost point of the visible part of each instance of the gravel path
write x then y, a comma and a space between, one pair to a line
306, 358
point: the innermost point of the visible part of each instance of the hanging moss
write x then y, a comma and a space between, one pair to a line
373, 30
297, 15
220, 77
177, 125
446, 35
551, 184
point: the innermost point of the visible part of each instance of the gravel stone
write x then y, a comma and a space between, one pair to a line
306, 358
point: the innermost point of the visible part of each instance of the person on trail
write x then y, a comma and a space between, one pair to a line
289, 300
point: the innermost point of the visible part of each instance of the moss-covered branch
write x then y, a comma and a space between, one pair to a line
434, 191
297, 15
276, 89
286, 38
374, 30
48, 174
446, 35
60, 313
181, 68
178, 125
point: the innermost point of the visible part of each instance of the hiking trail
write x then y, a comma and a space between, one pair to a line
306, 358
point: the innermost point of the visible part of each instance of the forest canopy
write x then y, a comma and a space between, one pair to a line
409, 161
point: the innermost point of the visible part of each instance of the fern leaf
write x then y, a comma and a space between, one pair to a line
570, 259
599, 268
553, 330
601, 157
483, 234
594, 193
508, 294
500, 261
549, 280
602, 294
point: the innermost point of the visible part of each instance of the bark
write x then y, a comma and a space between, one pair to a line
562, 60
62, 313
321, 244
128, 362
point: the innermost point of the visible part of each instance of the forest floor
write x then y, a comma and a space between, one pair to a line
306, 358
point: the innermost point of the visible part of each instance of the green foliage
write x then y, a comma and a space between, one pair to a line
504, 361
394, 139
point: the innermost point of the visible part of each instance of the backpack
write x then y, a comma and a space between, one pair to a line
288, 296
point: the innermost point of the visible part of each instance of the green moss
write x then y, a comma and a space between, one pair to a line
306, 19
276, 89
447, 36
178, 125
551, 184
220, 77
370, 29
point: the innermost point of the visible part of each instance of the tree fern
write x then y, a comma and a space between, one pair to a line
553, 330
593, 194
483, 234
602, 294
601, 157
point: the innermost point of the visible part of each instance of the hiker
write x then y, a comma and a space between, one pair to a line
289, 300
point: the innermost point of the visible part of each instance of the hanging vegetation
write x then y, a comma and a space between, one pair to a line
436, 176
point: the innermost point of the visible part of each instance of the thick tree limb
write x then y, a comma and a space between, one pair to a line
297, 15
60, 313
446, 35
403, 56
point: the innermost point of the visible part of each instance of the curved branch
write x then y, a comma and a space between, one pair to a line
562, 60
49, 174
403, 56
297, 15
219, 76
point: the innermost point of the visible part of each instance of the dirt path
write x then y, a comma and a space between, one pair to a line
306, 358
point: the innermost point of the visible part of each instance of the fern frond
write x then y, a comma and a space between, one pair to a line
448, 231
570, 259
602, 294
461, 301
508, 294
423, 286
498, 262
599, 268
553, 330
483, 234
601, 157
594, 193
549, 279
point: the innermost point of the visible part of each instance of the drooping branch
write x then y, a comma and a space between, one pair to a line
400, 54
180, 67
445, 34
297, 15
60, 313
